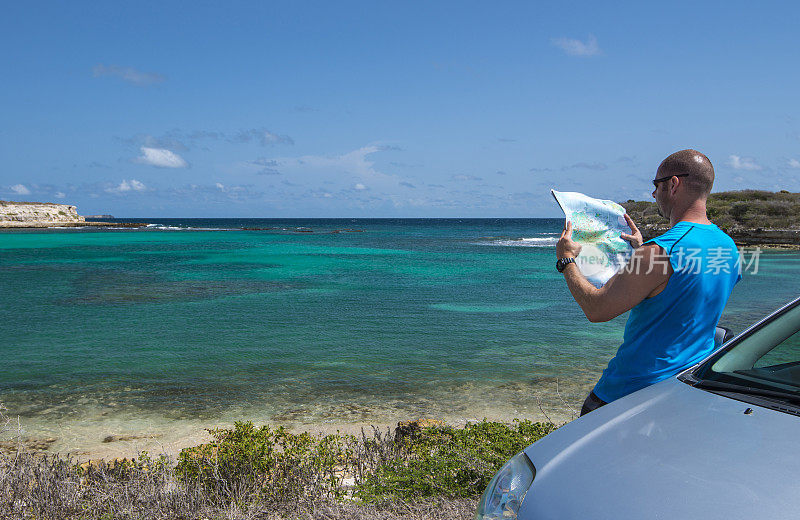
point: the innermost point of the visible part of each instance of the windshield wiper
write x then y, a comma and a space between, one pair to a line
710, 384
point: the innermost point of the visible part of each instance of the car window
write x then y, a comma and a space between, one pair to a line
786, 353
779, 365
769, 356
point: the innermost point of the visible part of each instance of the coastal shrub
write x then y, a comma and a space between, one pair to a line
271, 464
780, 208
33, 486
279, 467
738, 210
448, 461
731, 210
250, 472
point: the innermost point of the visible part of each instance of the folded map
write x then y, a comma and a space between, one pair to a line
596, 226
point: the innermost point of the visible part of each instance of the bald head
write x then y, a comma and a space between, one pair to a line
700, 178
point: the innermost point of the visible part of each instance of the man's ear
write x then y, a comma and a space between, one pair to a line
674, 182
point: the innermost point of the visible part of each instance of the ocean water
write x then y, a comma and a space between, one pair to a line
157, 333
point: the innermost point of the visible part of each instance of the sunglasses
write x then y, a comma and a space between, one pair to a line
668, 177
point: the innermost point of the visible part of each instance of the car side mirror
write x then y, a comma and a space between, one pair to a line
722, 335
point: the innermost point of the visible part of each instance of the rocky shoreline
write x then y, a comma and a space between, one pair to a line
56, 224
764, 238
17, 225
773, 238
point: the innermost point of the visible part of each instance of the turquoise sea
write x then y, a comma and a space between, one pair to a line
157, 333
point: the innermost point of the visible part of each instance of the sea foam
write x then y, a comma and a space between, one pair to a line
540, 241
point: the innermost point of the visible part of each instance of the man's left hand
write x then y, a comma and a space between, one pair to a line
566, 247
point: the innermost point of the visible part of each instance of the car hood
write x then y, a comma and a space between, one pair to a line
668, 451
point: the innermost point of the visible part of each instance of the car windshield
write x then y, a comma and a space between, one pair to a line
765, 358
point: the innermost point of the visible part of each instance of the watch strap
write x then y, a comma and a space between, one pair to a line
562, 263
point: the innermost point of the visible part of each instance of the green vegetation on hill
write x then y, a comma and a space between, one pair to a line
732, 210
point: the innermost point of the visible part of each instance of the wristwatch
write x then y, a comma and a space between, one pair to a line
562, 263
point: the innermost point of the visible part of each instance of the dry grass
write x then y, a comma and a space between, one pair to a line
434, 508
47, 487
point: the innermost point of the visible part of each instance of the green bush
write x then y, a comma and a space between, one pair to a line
272, 464
247, 463
447, 461
732, 210
738, 210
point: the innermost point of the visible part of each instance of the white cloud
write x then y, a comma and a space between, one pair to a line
355, 164
262, 136
129, 74
260, 166
20, 189
743, 163
351, 177
161, 158
125, 186
216, 192
794, 163
60, 195
574, 47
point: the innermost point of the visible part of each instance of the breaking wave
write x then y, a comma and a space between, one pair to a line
539, 241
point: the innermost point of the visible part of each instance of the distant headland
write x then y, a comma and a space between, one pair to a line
48, 214
750, 217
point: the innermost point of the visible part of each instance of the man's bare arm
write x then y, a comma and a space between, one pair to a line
647, 271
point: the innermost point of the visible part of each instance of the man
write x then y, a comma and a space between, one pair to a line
675, 285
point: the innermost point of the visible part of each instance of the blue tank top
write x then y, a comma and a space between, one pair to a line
675, 328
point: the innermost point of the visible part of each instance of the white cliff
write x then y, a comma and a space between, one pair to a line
22, 214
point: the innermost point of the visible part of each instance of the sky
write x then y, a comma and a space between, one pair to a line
388, 109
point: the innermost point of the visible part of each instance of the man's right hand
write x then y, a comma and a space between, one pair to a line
635, 238
566, 247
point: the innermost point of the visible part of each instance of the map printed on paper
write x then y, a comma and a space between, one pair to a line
596, 226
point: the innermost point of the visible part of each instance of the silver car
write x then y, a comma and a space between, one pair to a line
721, 440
